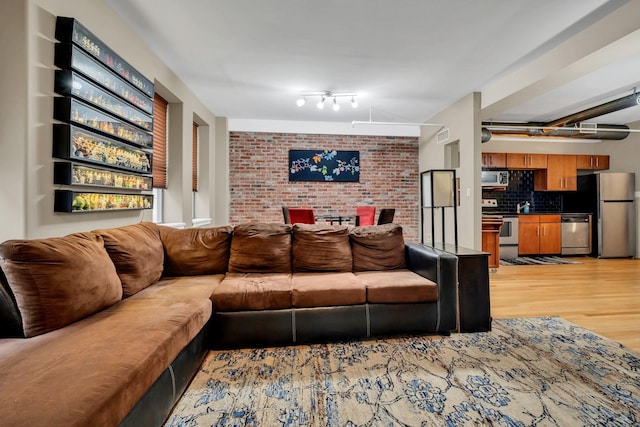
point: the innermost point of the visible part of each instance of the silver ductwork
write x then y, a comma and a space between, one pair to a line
570, 126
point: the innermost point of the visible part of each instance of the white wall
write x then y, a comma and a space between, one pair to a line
463, 121
26, 176
13, 122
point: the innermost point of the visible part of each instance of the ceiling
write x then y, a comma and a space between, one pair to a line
408, 60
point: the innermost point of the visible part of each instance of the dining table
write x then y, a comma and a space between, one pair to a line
340, 218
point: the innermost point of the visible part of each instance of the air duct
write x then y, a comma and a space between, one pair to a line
571, 126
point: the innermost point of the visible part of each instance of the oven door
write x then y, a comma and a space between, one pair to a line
509, 237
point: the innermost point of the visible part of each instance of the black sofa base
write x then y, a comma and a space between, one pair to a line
156, 404
320, 324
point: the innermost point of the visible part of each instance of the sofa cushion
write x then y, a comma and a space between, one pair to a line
398, 286
59, 280
380, 247
195, 251
94, 371
253, 291
326, 289
261, 248
320, 247
137, 252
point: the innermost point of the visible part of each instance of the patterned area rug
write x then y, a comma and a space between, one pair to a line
537, 260
532, 371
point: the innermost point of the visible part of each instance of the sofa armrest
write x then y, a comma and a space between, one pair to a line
442, 268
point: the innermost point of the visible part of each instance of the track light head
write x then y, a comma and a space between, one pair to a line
320, 103
336, 106
301, 101
354, 103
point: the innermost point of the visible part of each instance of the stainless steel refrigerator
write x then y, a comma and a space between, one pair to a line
616, 215
610, 197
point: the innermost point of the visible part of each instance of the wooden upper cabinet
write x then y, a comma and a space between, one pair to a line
494, 160
592, 162
526, 161
560, 174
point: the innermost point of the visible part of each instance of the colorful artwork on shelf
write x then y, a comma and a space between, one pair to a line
324, 165
71, 201
65, 173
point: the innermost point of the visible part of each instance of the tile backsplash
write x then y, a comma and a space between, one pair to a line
520, 190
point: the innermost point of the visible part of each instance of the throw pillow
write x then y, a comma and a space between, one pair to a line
261, 248
195, 251
319, 247
59, 280
379, 247
137, 252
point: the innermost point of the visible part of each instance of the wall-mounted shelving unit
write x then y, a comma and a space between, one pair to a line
105, 139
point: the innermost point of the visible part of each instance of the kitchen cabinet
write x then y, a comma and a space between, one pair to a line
560, 175
491, 239
494, 160
589, 162
526, 161
539, 235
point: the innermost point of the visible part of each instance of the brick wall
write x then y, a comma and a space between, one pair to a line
259, 177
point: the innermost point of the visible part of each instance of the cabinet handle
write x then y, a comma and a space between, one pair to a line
597, 161
537, 231
560, 182
590, 161
566, 183
544, 231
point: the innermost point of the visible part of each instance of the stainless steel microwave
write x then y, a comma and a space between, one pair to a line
495, 178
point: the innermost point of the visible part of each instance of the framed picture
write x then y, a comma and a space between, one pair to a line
324, 165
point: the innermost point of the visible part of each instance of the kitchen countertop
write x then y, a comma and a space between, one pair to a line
511, 213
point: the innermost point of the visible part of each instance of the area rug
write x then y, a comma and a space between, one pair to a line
525, 372
537, 260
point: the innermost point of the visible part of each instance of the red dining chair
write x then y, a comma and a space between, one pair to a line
301, 216
365, 215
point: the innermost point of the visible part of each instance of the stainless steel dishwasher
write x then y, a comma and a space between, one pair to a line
576, 234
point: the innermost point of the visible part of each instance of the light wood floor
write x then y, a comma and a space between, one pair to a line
602, 295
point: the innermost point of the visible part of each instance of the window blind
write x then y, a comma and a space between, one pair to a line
159, 142
194, 159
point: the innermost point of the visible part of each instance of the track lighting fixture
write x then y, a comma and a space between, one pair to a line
302, 100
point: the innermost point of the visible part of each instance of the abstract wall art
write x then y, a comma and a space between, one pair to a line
324, 165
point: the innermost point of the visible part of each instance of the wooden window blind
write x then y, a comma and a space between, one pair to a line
194, 159
159, 142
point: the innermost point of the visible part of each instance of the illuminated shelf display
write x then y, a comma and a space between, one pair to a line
67, 173
72, 143
78, 201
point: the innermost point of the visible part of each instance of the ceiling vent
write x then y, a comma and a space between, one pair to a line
442, 136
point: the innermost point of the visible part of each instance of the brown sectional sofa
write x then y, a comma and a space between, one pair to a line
107, 327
